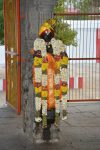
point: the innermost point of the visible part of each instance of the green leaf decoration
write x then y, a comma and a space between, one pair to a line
62, 28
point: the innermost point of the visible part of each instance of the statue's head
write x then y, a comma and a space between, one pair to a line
47, 30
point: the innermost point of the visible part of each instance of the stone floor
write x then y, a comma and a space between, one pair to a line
80, 132
2, 99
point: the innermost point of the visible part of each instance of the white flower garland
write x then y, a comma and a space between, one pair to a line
44, 109
44, 80
39, 44
57, 79
41, 77
59, 47
44, 92
38, 74
64, 74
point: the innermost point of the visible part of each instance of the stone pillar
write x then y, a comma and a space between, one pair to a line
33, 14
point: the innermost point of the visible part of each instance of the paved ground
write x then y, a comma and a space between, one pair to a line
2, 99
80, 132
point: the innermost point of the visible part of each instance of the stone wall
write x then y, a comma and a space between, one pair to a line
33, 14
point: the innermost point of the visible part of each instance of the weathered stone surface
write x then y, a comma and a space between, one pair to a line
33, 14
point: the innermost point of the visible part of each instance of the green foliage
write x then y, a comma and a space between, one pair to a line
65, 33
59, 7
1, 23
83, 5
87, 6
62, 28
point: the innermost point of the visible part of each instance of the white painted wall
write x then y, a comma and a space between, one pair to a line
2, 55
86, 39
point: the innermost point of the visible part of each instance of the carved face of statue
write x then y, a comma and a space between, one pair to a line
47, 35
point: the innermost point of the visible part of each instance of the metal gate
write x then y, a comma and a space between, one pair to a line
84, 64
12, 46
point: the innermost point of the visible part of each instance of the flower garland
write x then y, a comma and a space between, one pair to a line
44, 91
64, 85
57, 58
61, 60
40, 48
41, 80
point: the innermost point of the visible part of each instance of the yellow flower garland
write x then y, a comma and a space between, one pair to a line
57, 93
38, 90
58, 64
64, 60
44, 66
37, 61
64, 89
44, 94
